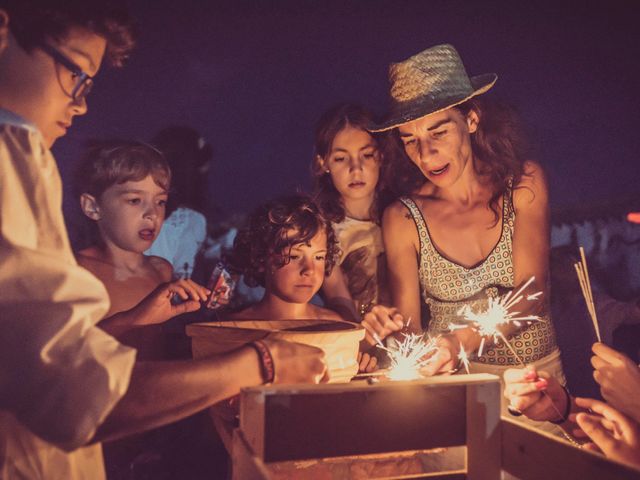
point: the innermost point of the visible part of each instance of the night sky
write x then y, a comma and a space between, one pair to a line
253, 77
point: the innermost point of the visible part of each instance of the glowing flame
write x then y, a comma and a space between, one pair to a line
409, 356
497, 313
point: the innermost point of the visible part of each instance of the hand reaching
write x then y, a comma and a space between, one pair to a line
157, 307
445, 359
381, 322
612, 432
619, 379
297, 363
367, 362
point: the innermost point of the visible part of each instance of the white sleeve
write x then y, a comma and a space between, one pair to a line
60, 375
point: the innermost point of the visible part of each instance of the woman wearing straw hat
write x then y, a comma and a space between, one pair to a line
474, 225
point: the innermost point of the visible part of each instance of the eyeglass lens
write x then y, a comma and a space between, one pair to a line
82, 88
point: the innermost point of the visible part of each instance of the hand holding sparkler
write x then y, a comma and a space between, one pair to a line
612, 432
619, 379
367, 362
409, 356
446, 356
537, 395
381, 322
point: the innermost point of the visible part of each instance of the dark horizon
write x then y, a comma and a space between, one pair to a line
253, 78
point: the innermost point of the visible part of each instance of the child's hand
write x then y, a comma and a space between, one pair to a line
619, 379
367, 363
611, 432
157, 307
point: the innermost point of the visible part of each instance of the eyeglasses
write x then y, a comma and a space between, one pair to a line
81, 82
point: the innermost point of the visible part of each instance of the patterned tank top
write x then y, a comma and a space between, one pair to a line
447, 287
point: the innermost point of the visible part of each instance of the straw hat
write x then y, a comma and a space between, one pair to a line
429, 82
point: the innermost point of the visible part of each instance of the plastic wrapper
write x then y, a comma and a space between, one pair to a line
221, 285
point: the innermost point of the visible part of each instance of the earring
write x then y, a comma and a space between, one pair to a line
326, 170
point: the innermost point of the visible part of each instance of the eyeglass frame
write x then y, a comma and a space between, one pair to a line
84, 79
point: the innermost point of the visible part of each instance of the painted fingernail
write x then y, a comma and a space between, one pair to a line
530, 376
540, 384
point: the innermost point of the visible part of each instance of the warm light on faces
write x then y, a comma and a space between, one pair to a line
300, 278
440, 144
131, 214
353, 163
42, 86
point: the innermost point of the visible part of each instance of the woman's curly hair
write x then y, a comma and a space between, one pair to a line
272, 230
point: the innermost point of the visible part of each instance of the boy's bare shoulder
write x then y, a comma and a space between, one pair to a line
88, 254
161, 266
91, 259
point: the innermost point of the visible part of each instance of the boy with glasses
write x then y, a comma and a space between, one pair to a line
65, 383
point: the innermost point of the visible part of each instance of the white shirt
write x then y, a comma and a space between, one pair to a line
60, 375
180, 240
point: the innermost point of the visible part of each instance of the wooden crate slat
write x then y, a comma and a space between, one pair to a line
530, 454
483, 431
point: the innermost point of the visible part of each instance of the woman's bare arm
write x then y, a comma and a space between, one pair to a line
531, 236
401, 246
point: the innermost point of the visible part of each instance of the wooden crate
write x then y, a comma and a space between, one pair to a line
447, 427
338, 339
383, 430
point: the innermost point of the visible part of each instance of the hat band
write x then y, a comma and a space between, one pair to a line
426, 103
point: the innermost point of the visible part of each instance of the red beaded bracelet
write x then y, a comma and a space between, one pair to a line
267, 367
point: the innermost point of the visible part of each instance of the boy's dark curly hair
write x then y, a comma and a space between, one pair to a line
33, 22
274, 228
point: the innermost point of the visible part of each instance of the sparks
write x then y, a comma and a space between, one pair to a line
497, 313
463, 358
409, 356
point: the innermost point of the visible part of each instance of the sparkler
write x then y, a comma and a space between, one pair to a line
408, 356
463, 358
585, 286
497, 313
415, 351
